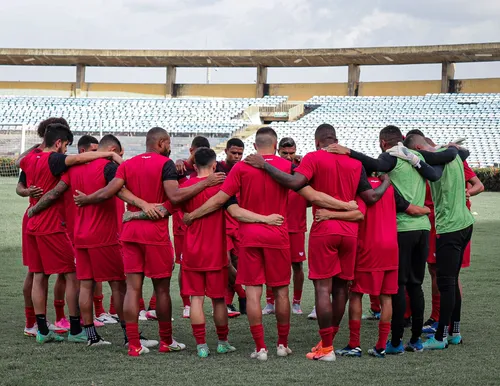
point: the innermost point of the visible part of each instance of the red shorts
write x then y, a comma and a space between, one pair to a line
212, 284
100, 264
50, 254
297, 247
258, 266
178, 243
332, 255
376, 283
431, 258
233, 242
24, 240
155, 261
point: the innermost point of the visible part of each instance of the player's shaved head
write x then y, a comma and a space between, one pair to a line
430, 142
325, 135
42, 127
415, 131
110, 141
390, 136
204, 157
158, 140
266, 138
85, 143
416, 142
200, 141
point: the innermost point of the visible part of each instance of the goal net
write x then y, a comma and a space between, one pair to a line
14, 139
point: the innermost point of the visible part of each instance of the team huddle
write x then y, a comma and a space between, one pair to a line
239, 225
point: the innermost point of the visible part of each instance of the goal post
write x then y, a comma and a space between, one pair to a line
15, 138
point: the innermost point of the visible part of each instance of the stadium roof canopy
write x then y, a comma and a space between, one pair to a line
458, 53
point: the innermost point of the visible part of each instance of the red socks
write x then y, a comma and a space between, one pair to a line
142, 306
98, 308
59, 306
152, 303
269, 295
326, 336
165, 329
335, 330
29, 312
383, 333
112, 309
375, 303
186, 302
133, 334
258, 336
283, 331
297, 296
435, 306
199, 333
229, 295
238, 288
354, 333
408, 307
222, 332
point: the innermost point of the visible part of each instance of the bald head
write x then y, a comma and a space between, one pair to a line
416, 142
266, 140
158, 141
325, 135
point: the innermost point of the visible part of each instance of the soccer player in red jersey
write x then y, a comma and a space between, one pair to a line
234, 152
185, 170
50, 249
147, 250
376, 271
297, 226
98, 255
332, 244
264, 251
205, 271
60, 284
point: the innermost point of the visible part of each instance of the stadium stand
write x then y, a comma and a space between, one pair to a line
358, 120
442, 117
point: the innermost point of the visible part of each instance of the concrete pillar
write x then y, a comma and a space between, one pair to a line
261, 81
80, 79
170, 83
447, 74
353, 80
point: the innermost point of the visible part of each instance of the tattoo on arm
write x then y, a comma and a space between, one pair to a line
49, 198
129, 216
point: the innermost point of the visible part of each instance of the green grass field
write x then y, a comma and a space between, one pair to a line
23, 362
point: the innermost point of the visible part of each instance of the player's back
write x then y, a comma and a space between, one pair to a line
259, 193
95, 225
205, 240
27, 166
143, 177
377, 240
337, 176
296, 213
50, 220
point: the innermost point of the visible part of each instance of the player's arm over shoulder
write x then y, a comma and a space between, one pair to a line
247, 216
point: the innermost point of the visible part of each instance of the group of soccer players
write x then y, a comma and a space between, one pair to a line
239, 225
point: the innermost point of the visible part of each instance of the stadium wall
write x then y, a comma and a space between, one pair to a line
295, 92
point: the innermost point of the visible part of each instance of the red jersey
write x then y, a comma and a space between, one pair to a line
338, 176
69, 214
232, 224
259, 193
378, 233
95, 225
144, 175
45, 169
205, 240
178, 226
296, 213
120, 210
27, 167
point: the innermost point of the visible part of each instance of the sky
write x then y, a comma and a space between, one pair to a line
246, 24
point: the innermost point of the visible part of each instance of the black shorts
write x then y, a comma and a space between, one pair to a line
450, 248
413, 251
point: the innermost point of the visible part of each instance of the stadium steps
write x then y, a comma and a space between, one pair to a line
243, 134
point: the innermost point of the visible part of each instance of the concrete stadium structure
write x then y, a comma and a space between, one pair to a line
353, 58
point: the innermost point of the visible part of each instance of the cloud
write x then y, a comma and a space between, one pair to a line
240, 24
